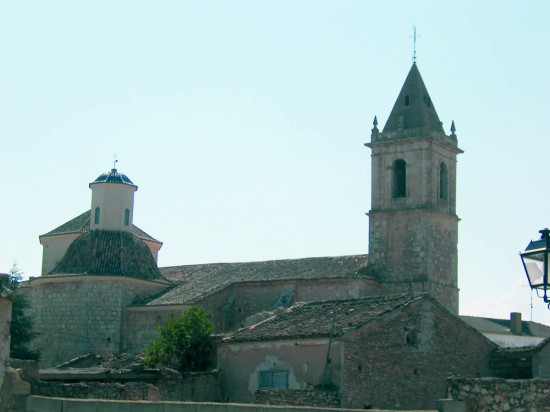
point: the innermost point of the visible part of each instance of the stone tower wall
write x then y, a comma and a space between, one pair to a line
75, 315
413, 239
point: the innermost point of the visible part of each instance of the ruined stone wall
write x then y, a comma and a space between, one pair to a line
130, 391
297, 397
497, 394
77, 316
403, 362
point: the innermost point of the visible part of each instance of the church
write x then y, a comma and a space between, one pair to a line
102, 291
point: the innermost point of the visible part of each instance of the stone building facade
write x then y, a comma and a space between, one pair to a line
101, 288
386, 352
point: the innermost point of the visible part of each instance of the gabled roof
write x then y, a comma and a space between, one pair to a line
81, 224
314, 319
109, 253
502, 326
414, 105
200, 281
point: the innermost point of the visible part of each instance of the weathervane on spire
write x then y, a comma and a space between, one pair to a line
115, 160
414, 43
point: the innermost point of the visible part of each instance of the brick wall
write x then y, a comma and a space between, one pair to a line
403, 362
501, 395
297, 397
77, 316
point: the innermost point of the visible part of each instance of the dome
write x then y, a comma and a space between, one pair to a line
109, 253
113, 177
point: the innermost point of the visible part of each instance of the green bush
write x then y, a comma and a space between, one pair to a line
21, 329
184, 342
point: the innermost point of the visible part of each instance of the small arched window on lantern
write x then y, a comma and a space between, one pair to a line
96, 216
443, 182
126, 217
399, 178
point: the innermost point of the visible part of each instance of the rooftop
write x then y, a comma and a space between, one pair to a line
109, 253
113, 176
314, 319
502, 326
81, 224
199, 281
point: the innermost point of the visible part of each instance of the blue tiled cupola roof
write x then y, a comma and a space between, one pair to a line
113, 176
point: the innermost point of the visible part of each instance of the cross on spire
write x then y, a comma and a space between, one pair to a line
414, 43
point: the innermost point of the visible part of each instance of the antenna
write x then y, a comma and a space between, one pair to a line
115, 160
414, 43
531, 303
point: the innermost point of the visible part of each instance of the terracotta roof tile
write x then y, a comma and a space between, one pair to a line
109, 253
200, 281
314, 319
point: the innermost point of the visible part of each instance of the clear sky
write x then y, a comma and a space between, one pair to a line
243, 124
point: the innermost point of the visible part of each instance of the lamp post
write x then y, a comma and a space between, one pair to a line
535, 262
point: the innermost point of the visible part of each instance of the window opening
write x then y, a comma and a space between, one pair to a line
399, 179
126, 217
443, 181
96, 217
274, 379
427, 101
407, 100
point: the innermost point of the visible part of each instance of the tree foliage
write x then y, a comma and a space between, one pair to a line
184, 342
21, 329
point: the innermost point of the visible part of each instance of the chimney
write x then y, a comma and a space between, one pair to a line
515, 323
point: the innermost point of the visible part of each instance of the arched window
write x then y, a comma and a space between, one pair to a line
96, 217
126, 217
399, 178
443, 181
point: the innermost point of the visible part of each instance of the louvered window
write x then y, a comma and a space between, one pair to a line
274, 379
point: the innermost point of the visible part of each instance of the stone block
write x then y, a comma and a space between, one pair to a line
80, 405
114, 406
147, 407
43, 404
450, 405
211, 407
179, 407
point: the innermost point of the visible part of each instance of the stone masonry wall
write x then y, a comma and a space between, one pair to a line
495, 394
297, 397
415, 250
139, 326
403, 362
131, 391
77, 316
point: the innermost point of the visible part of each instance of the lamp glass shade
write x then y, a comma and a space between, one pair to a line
534, 267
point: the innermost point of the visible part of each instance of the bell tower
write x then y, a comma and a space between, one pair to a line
413, 226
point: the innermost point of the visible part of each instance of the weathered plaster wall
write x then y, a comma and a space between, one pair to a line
77, 315
304, 361
501, 395
54, 248
402, 362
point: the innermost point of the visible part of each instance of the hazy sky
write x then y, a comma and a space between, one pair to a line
243, 124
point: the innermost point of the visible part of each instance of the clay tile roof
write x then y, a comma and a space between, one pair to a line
81, 224
420, 108
109, 253
502, 326
314, 319
200, 281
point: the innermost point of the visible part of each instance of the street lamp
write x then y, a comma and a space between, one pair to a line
535, 263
